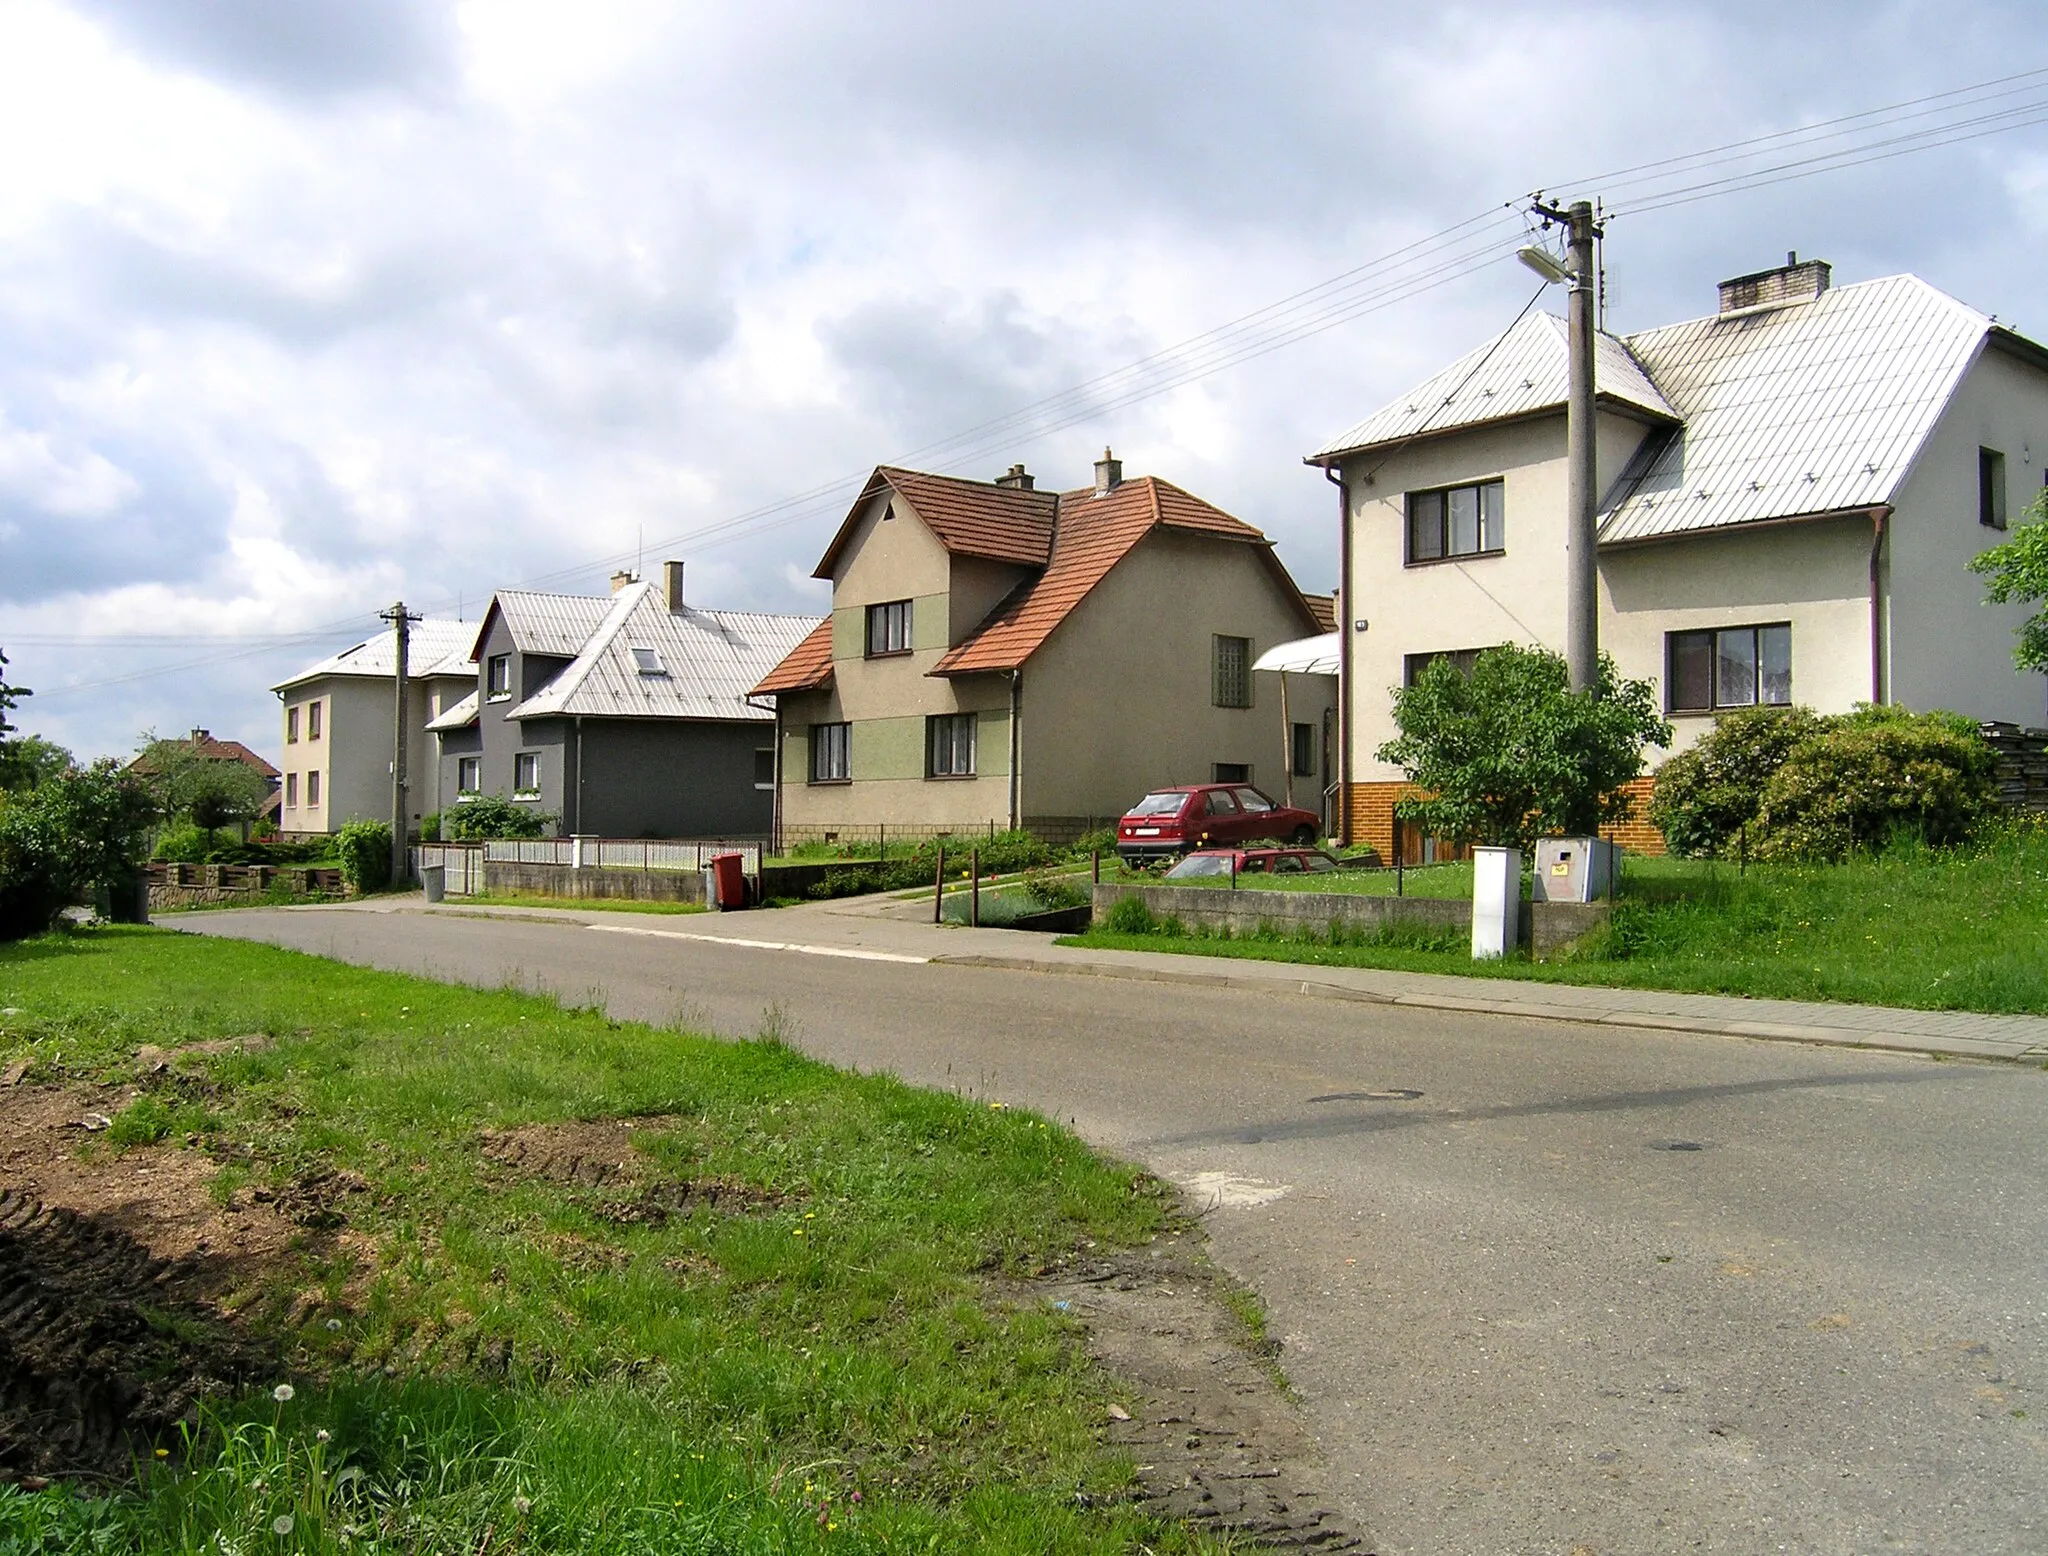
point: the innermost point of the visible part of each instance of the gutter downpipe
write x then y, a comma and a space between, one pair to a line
1880, 691
1344, 616
1016, 743
775, 769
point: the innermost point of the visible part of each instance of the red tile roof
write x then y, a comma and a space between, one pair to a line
1324, 608
202, 743
970, 518
804, 667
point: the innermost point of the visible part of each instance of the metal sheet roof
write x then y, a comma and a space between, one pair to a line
1527, 371
458, 715
436, 648
557, 625
1806, 408
705, 662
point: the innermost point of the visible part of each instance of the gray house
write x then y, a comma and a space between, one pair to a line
622, 716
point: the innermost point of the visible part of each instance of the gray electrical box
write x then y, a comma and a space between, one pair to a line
1574, 869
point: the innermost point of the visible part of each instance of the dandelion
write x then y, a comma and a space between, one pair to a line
282, 1524
163, 1453
282, 1393
323, 1436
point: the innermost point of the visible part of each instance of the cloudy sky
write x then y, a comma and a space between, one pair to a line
306, 307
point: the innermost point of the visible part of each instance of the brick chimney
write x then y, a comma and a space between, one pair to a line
672, 585
1017, 479
621, 578
1796, 281
1109, 474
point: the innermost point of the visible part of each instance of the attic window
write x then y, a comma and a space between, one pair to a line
648, 662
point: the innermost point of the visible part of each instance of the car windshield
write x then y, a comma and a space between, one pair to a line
1199, 865
1317, 863
1165, 803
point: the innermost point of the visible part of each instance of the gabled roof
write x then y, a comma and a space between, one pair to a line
554, 625
970, 518
209, 748
1524, 372
805, 667
1093, 534
1324, 608
699, 664
1803, 409
459, 715
434, 647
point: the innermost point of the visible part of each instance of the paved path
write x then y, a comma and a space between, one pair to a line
1544, 1286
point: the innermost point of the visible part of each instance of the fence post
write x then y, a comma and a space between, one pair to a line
939, 888
1400, 858
1233, 869
882, 840
1095, 865
974, 891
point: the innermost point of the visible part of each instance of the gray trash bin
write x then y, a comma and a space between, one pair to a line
434, 877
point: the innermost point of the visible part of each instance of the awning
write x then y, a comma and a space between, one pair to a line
1304, 656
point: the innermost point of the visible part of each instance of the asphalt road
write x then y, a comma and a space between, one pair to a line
1543, 1287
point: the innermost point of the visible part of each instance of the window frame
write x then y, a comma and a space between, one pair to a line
1301, 749
769, 764
949, 727
313, 789
1228, 775
291, 791
1712, 637
313, 721
1444, 522
291, 725
1463, 659
1991, 488
647, 661
497, 687
894, 619
522, 760
843, 740
1220, 695
468, 766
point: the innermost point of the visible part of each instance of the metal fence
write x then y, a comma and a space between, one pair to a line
464, 862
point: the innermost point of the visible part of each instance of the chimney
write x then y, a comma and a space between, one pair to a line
1017, 479
621, 578
1796, 281
1109, 474
672, 585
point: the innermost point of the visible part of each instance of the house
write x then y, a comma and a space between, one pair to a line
204, 745
621, 716
338, 726
1003, 656
1792, 488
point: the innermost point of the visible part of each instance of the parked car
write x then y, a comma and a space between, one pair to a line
1170, 822
1205, 863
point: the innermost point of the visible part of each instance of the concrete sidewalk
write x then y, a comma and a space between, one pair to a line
888, 929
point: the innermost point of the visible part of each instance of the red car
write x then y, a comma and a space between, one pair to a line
1207, 863
1169, 822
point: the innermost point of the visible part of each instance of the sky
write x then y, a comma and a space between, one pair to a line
308, 308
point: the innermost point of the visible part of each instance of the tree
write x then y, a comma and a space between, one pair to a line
2018, 570
9, 697
1508, 753
29, 760
209, 792
80, 833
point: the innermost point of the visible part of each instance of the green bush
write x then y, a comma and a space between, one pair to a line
490, 816
1101, 841
1705, 796
430, 827
1049, 891
1874, 776
181, 845
1130, 916
364, 848
71, 838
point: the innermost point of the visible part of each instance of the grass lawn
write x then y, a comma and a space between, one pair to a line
1959, 930
1427, 880
512, 899
772, 1330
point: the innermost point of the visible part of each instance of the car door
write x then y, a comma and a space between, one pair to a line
1221, 820
1260, 818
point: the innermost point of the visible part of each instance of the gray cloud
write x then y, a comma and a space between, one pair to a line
301, 47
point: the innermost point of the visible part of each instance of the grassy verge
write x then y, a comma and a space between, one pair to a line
774, 1335
1915, 928
514, 899
1428, 880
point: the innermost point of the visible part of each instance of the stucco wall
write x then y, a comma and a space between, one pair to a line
670, 779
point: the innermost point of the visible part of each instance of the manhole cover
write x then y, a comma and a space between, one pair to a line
1676, 1145
1396, 1094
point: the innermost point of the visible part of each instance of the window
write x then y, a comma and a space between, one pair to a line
1250, 801
949, 745
291, 790
1220, 802
1990, 488
764, 767
469, 775
889, 629
648, 662
291, 725
497, 677
313, 720
1729, 667
1302, 743
1456, 521
526, 775
831, 753
1232, 673
312, 791
1461, 658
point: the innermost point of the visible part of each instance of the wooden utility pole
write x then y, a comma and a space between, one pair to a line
401, 626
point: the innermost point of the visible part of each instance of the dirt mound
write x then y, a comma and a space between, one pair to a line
98, 1353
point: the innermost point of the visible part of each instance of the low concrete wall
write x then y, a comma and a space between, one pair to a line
1553, 927
174, 886
561, 880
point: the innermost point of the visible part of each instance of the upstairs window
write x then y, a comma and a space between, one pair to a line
1456, 521
949, 745
888, 629
1728, 667
498, 677
526, 776
1990, 488
831, 753
291, 726
648, 662
313, 719
1231, 673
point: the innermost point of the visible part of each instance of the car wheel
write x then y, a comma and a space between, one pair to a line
1304, 836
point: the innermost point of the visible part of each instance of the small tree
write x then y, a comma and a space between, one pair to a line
29, 760
209, 792
492, 816
9, 697
364, 849
1508, 753
2018, 570
81, 832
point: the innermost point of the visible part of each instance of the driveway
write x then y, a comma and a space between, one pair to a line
1544, 1286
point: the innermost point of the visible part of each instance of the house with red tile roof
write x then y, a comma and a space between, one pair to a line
1000, 655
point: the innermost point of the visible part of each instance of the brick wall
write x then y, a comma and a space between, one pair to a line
1372, 819
1636, 834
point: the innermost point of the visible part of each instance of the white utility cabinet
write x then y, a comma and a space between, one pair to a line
1496, 902
1575, 869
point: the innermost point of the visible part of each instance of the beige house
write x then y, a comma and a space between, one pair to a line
1792, 489
998, 655
337, 718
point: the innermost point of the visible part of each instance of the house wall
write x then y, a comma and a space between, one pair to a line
454, 743
500, 738
353, 754
1947, 647
668, 778
1120, 697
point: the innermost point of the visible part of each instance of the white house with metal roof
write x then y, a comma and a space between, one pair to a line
622, 716
1792, 488
337, 716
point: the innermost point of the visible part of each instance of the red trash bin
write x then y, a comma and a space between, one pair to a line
728, 880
